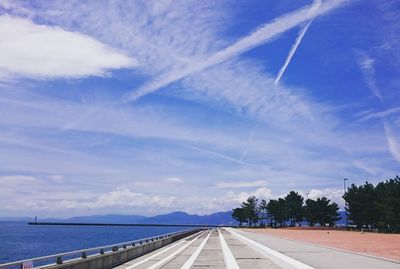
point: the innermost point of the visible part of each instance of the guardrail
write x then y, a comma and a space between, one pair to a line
376, 230
60, 258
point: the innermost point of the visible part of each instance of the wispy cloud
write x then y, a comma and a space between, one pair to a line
379, 115
292, 51
195, 132
393, 144
261, 36
367, 168
367, 66
215, 154
60, 53
240, 184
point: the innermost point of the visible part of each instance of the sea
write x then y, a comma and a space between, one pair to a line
19, 241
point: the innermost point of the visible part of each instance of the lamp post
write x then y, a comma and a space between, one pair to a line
345, 204
309, 222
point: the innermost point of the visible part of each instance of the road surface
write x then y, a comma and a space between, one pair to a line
233, 249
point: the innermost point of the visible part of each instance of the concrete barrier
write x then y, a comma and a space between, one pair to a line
118, 257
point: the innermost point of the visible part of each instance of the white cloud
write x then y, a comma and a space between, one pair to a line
56, 178
173, 180
263, 193
240, 184
40, 51
333, 194
124, 197
260, 193
18, 180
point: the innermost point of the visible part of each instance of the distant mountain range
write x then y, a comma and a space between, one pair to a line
178, 217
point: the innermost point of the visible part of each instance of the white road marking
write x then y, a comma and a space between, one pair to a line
152, 256
230, 261
196, 253
275, 256
174, 254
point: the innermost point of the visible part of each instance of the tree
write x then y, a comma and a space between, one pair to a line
262, 209
278, 212
321, 211
250, 210
388, 203
362, 204
272, 208
239, 215
311, 212
294, 207
328, 213
375, 206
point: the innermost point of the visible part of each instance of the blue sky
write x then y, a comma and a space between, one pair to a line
146, 107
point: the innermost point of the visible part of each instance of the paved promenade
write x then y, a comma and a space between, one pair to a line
232, 248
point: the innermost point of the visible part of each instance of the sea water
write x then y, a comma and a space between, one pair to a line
20, 241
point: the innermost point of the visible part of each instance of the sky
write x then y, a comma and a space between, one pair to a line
148, 107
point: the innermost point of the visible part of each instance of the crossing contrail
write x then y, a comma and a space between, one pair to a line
266, 33
293, 49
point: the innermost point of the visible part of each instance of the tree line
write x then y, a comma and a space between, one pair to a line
375, 206
367, 206
287, 211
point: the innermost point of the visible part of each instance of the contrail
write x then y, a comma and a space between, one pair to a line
263, 35
216, 154
248, 143
296, 44
292, 51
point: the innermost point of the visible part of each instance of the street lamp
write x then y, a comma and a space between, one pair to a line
345, 204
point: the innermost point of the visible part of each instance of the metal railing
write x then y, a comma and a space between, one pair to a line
60, 258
